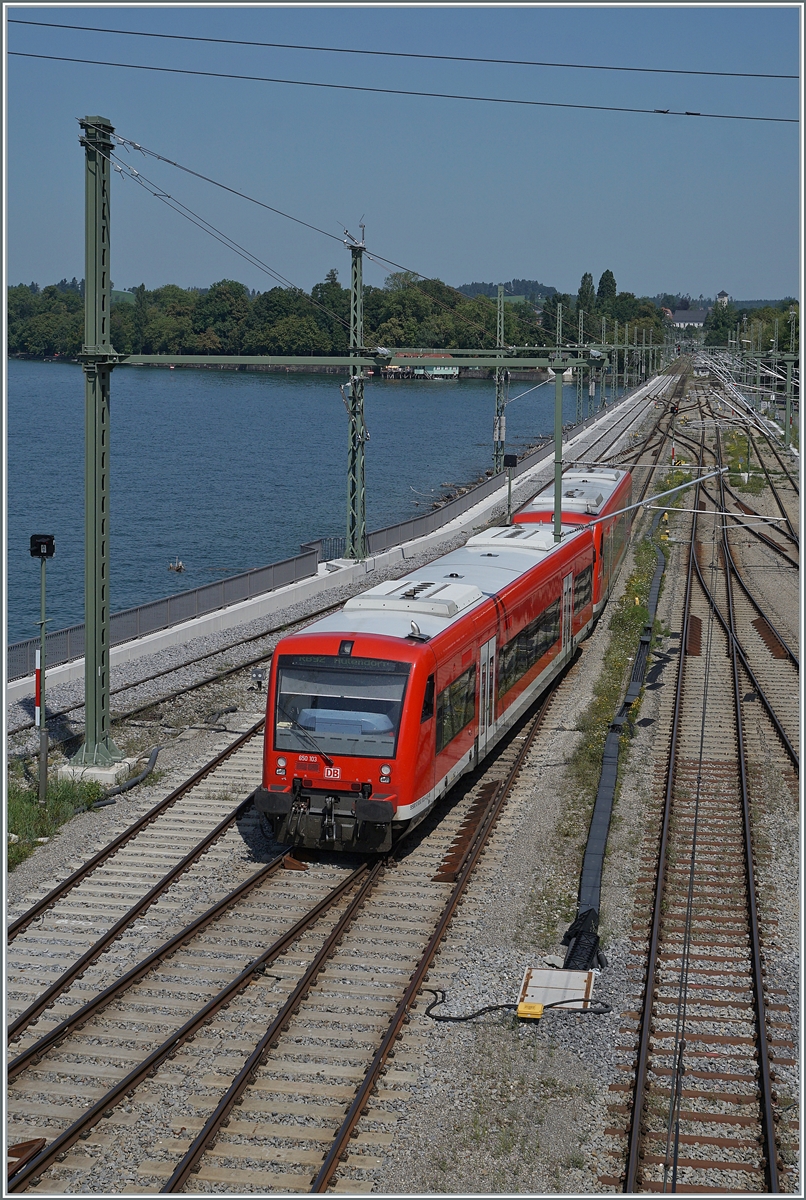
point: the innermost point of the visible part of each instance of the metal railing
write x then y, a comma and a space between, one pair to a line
64, 645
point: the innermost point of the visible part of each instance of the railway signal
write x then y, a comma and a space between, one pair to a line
43, 547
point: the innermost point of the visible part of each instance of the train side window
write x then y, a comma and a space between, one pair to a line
583, 588
527, 647
428, 701
456, 707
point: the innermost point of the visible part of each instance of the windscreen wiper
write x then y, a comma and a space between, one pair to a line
307, 735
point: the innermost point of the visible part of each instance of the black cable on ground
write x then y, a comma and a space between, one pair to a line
109, 797
595, 1008
581, 937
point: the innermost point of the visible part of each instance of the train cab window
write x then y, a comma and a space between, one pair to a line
428, 701
339, 705
583, 588
456, 707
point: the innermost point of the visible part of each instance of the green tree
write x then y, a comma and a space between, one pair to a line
586, 296
297, 335
606, 291
140, 319
224, 309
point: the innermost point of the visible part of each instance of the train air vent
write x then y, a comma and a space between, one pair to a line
414, 591
415, 596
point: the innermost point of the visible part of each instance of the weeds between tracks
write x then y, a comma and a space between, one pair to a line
29, 822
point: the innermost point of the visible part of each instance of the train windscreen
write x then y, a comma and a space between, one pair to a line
339, 705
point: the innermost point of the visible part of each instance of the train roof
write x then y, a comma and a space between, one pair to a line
439, 594
586, 490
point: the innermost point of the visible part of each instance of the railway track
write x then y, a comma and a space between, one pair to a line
140, 877
698, 1110
328, 961
97, 965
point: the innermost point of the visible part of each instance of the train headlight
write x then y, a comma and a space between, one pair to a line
386, 771
280, 762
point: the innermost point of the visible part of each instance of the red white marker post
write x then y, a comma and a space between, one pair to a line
38, 688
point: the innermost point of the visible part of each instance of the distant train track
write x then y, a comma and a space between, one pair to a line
700, 1111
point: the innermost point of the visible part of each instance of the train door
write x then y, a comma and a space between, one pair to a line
486, 694
568, 608
607, 545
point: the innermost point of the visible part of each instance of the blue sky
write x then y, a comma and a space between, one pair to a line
464, 191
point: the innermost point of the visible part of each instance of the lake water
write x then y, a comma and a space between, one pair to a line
228, 470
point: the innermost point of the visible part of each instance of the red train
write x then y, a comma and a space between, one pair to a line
374, 712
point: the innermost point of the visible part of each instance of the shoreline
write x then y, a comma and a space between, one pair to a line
485, 373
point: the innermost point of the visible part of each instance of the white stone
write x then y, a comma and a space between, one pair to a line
108, 776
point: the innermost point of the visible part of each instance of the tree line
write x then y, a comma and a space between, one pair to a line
756, 326
227, 318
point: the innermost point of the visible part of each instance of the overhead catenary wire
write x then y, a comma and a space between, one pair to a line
355, 87
374, 257
507, 62
226, 187
183, 210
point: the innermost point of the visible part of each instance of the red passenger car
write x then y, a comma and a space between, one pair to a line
590, 494
375, 711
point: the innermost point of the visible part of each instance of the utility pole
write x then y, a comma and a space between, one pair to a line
788, 413
580, 336
357, 434
559, 326
500, 422
558, 444
615, 359
604, 351
98, 357
626, 356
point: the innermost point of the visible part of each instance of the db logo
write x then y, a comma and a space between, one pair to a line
332, 772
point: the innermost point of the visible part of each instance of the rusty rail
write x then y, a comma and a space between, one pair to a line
92, 1007
330, 1165
81, 1127
73, 880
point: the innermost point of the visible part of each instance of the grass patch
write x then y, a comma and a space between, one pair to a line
629, 616
65, 798
740, 460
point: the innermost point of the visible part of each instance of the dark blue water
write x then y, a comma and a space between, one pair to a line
228, 470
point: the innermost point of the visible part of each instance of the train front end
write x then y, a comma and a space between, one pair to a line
340, 751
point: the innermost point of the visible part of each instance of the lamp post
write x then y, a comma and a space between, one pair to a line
43, 547
510, 461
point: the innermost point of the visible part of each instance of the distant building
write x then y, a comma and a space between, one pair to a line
435, 372
690, 316
722, 298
